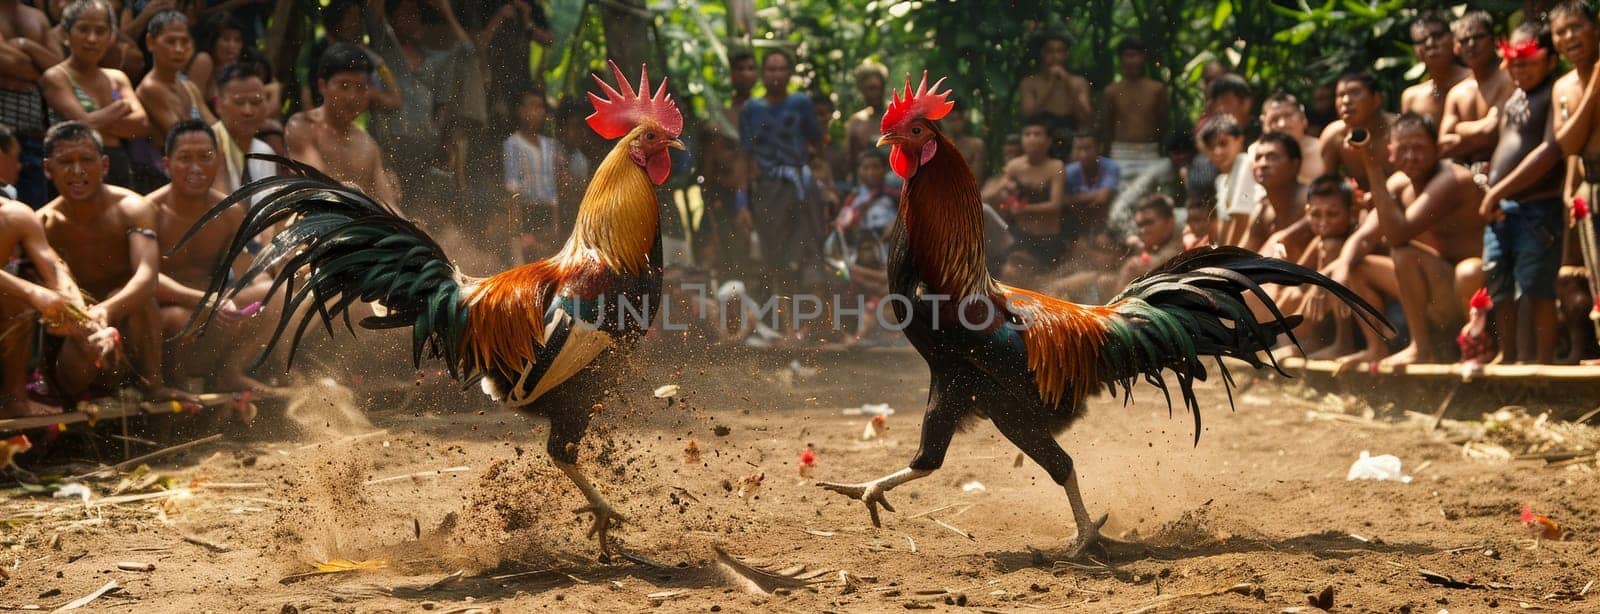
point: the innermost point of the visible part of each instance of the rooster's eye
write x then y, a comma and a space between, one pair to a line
917, 130
650, 135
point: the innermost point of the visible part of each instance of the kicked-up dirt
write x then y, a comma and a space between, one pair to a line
1258, 517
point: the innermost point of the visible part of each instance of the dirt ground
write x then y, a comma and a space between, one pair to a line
1257, 517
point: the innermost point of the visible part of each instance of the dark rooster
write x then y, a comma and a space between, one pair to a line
1027, 361
546, 338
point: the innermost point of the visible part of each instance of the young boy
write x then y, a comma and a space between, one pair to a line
535, 168
868, 215
1330, 215
1522, 244
1223, 141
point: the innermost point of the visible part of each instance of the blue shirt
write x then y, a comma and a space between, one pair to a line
1110, 174
777, 135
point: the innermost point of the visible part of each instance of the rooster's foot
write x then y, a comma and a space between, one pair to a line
1088, 537
870, 493
605, 518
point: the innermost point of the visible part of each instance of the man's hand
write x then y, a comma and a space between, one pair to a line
98, 316
104, 342
1058, 72
1490, 208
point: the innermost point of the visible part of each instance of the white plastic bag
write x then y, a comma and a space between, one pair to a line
1385, 467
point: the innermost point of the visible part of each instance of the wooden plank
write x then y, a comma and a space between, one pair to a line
110, 409
1555, 373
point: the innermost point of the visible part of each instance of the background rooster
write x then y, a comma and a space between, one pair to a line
1027, 361
545, 338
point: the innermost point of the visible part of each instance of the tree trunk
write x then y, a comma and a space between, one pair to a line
628, 40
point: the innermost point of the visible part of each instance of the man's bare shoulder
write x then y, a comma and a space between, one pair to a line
1568, 84
1335, 130
160, 198
1420, 90
15, 217
129, 203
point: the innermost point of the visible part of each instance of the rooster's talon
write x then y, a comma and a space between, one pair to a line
868, 494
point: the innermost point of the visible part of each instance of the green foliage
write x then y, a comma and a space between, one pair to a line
984, 48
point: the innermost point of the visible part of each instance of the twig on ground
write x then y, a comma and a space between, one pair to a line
953, 528
419, 474
137, 460
86, 599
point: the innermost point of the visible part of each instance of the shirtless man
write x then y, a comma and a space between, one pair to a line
1424, 213
107, 236
1284, 113
167, 95
193, 162
23, 302
1134, 112
1276, 227
1434, 45
1057, 95
861, 129
1360, 105
328, 139
1576, 35
1470, 126
1032, 196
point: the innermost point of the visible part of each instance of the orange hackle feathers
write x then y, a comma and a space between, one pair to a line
926, 102
1063, 340
505, 323
620, 112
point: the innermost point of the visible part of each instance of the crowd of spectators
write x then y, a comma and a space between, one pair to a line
121, 124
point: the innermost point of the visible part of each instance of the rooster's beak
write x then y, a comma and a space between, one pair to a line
676, 144
887, 139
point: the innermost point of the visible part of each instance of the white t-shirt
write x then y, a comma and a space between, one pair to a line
1237, 191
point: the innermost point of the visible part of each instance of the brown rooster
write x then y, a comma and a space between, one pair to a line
1027, 361
547, 338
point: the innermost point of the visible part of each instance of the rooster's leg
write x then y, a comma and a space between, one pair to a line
1042, 448
565, 432
937, 429
605, 516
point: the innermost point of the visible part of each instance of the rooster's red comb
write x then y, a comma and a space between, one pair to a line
619, 112
1481, 300
926, 102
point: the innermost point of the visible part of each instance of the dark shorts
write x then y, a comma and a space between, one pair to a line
1522, 252
791, 234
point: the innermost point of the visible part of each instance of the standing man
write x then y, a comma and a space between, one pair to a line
776, 131
30, 46
1134, 113
1469, 126
1434, 45
861, 130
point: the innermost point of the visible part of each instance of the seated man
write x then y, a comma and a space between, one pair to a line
241, 111
1092, 182
327, 137
55, 301
107, 236
193, 163
1424, 213
1276, 227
